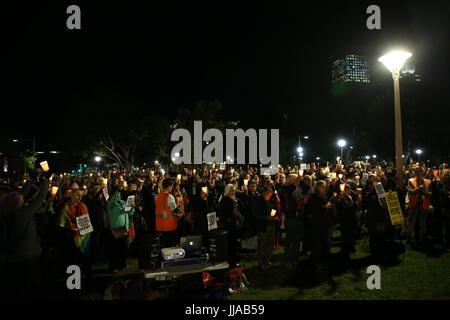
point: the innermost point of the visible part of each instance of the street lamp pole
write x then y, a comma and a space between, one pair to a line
398, 130
394, 62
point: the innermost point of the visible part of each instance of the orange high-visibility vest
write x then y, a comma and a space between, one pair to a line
413, 200
166, 219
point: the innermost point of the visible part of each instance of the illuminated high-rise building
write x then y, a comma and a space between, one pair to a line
351, 68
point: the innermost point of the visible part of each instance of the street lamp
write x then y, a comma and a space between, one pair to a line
419, 152
341, 143
98, 159
394, 62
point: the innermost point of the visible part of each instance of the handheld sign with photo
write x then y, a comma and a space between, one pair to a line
303, 166
44, 166
222, 166
380, 191
212, 221
130, 201
84, 224
308, 166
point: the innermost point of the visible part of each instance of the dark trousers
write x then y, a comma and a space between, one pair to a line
98, 245
348, 232
320, 246
294, 235
118, 249
232, 248
21, 280
168, 239
265, 245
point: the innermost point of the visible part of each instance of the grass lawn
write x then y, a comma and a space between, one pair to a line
414, 275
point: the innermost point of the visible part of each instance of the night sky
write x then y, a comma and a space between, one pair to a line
259, 60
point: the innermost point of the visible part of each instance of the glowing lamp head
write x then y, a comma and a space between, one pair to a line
394, 60
418, 151
342, 143
98, 159
299, 149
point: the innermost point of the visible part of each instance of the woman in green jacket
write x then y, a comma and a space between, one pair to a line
120, 222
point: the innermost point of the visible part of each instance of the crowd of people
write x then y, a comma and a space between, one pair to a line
40, 230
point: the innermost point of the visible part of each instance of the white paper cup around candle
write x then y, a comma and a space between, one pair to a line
273, 212
301, 172
54, 191
44, 166
179, 177
359, 190
245, 182
340, 176
105, 181
333, 175
342, 186
205, 189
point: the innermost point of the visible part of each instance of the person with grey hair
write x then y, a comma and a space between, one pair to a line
227, 213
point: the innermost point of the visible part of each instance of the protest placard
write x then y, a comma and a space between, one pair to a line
84, 224
105, 193
303, 166
212, 221
380, 191
130, 201
395, 211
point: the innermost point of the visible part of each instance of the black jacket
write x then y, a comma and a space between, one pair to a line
23, 235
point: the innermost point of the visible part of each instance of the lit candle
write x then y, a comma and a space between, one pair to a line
245, 182
342, 187
273, 212
54, 191
44, 166
205, 189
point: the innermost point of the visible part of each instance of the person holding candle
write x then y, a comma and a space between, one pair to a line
265, 228
347, 205
168, 213
21, 277
320, 214
119, 221
227, 213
